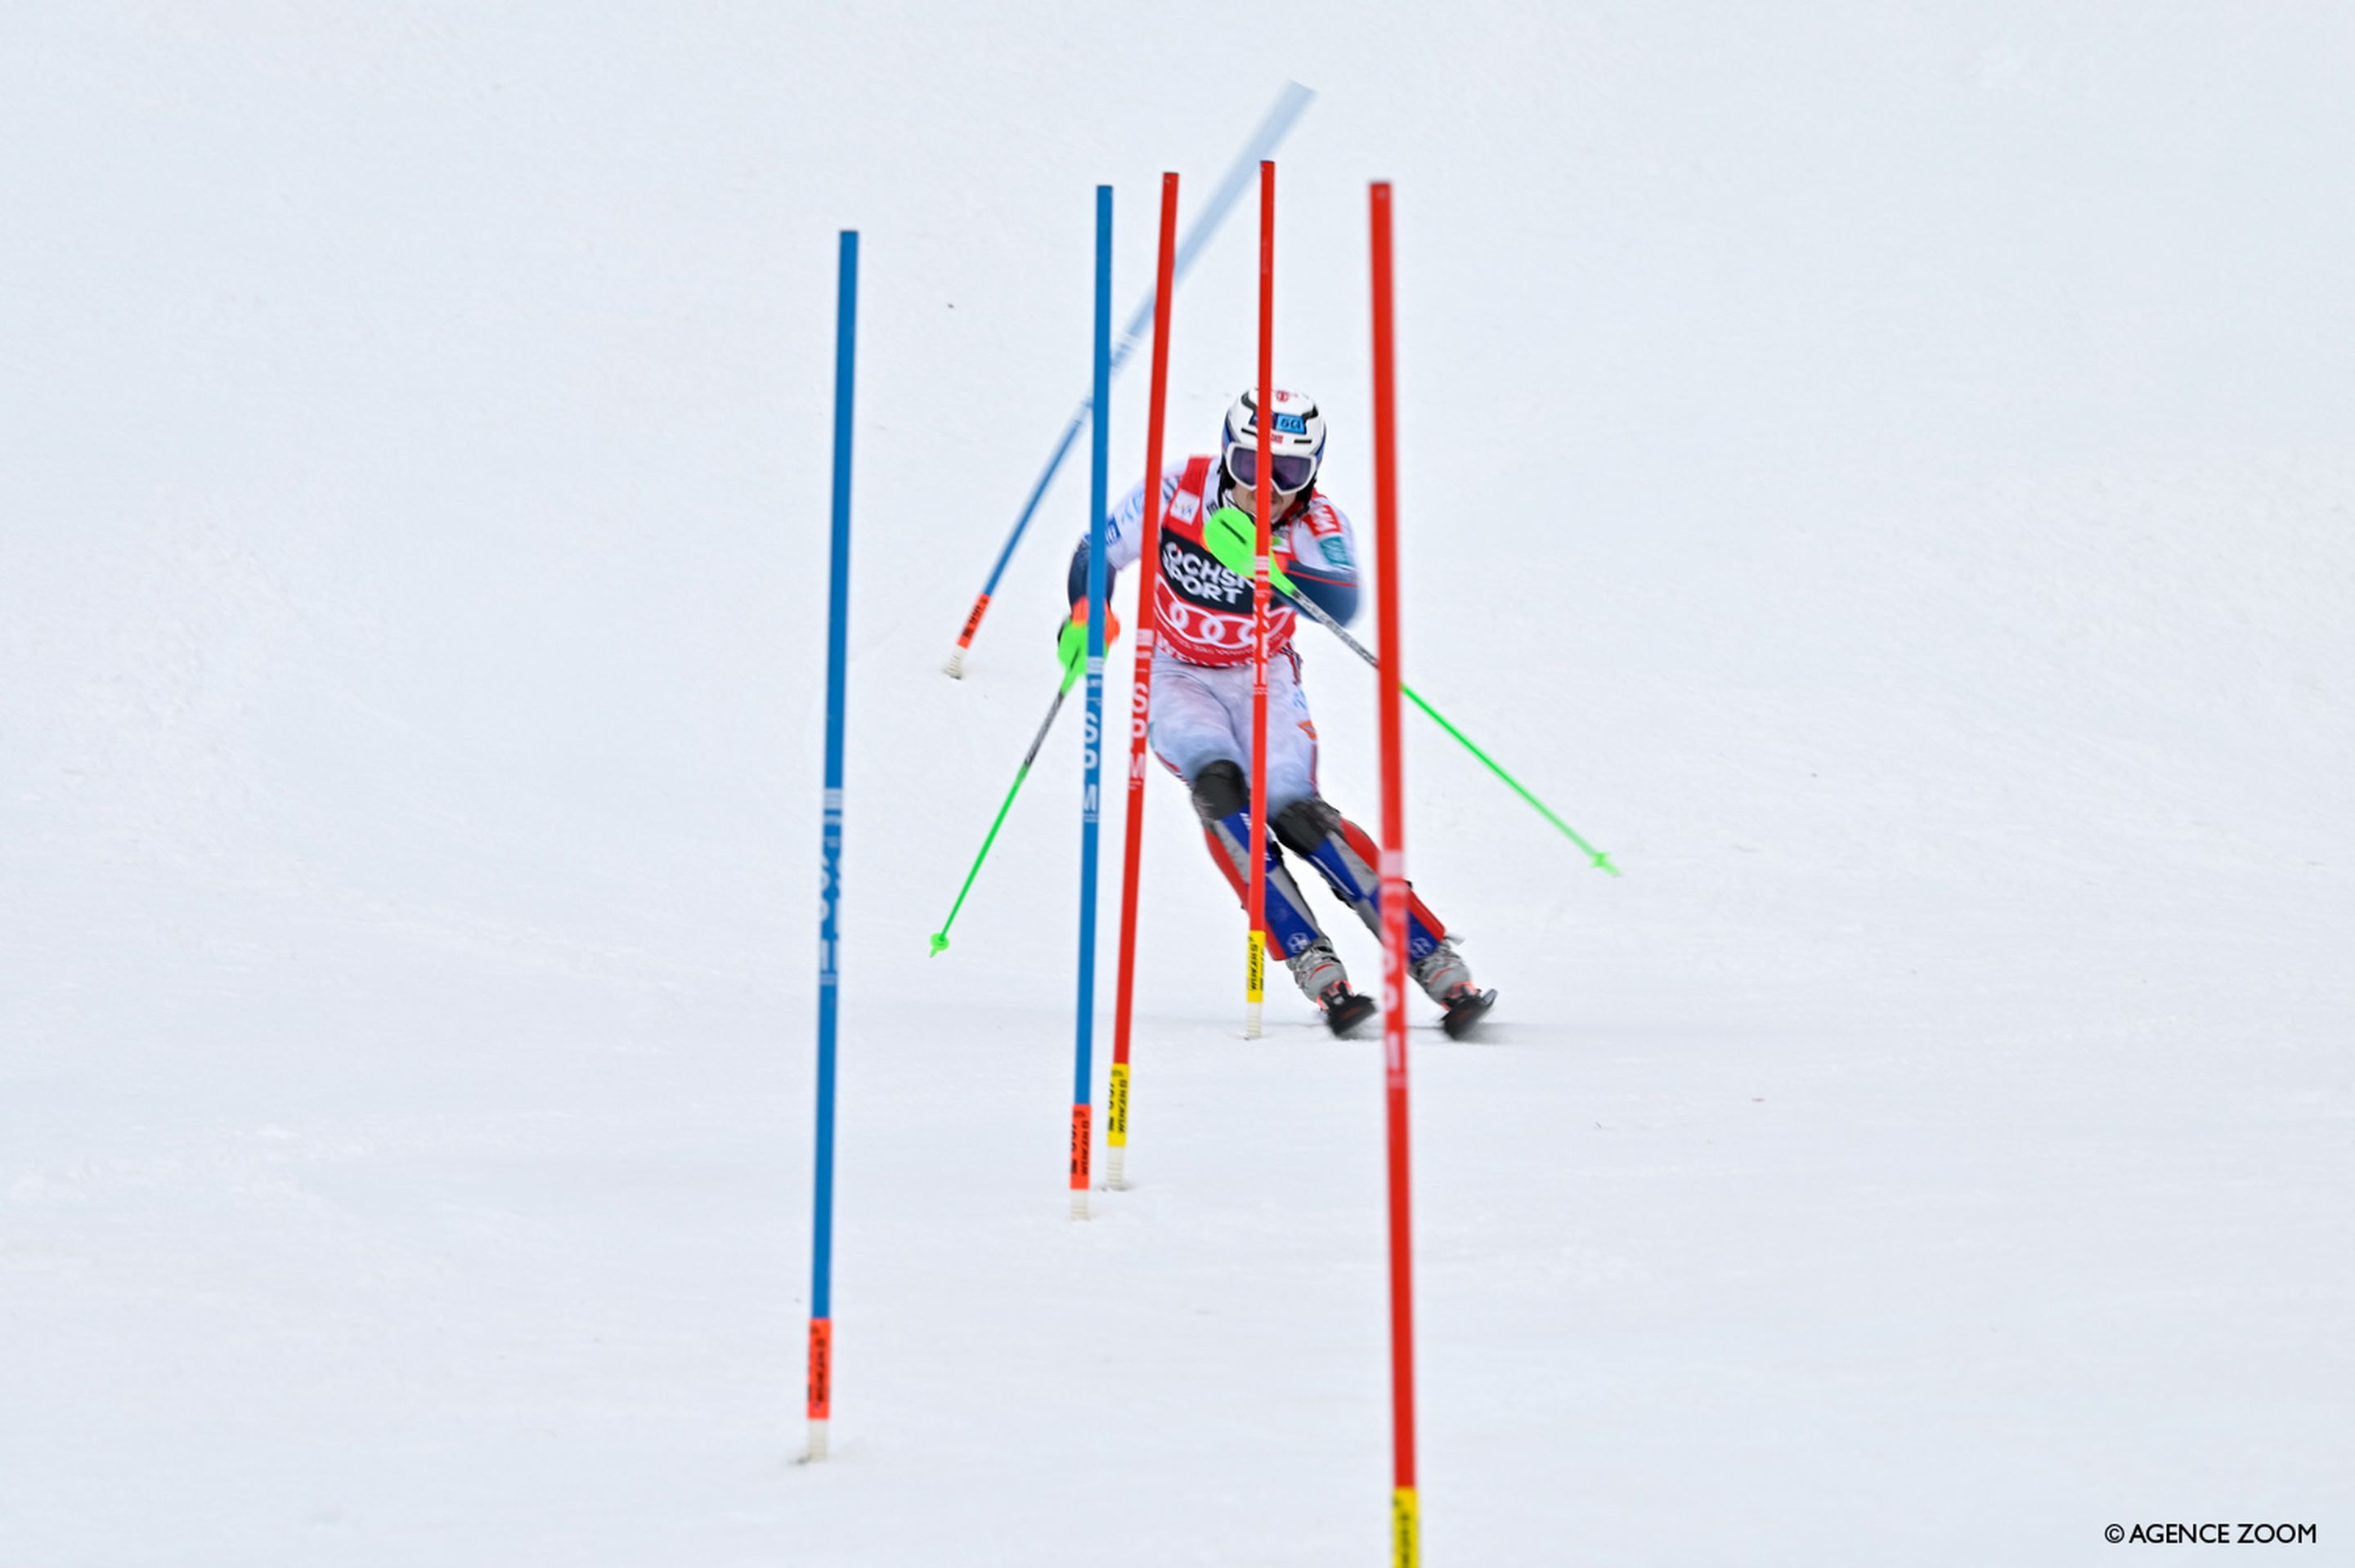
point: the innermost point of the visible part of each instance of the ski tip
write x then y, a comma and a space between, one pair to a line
1602, 863
940, 943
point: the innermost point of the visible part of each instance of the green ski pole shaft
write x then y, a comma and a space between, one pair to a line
1602, 861
1070, 677
1225, 537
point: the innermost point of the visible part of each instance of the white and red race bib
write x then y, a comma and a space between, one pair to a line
1202, 610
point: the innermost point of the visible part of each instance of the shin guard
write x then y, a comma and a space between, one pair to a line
1222, 801
1346, 858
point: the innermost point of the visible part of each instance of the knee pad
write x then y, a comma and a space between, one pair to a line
1304, 825
1220, 791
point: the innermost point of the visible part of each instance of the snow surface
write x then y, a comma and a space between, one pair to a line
1883, 471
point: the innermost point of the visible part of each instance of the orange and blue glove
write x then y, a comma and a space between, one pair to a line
1072, 637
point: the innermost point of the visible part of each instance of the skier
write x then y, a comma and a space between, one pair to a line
1202, 698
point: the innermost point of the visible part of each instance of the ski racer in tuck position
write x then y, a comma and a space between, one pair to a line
1201, 727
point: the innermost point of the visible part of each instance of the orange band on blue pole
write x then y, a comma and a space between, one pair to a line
821, 1368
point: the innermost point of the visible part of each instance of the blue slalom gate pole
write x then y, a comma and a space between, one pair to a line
1288, 108
837, 631
1099, 480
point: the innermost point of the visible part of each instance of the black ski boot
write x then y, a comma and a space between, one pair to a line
1446, 981
1466, 1005
1344, 1009
1325, 982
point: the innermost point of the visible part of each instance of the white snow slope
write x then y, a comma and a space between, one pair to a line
1883, 471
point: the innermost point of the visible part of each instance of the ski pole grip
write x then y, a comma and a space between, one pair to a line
1071, 645
1233, 539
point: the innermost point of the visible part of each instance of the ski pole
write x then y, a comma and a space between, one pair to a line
1075, 660
1229, 535
1288, 108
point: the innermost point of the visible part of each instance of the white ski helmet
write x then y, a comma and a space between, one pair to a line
1296, 442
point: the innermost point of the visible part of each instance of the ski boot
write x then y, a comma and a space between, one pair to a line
1318, 970
1344, 1009
1447, 980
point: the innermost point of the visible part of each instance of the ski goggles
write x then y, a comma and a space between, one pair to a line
1288, 473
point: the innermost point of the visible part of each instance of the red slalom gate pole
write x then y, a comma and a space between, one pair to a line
1255, 968
1406, 1520
1140, 706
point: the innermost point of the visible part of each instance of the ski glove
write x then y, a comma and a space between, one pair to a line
1072, 637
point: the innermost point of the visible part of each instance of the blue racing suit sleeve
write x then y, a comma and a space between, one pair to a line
1323, 565
1331, 591
1075, 586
